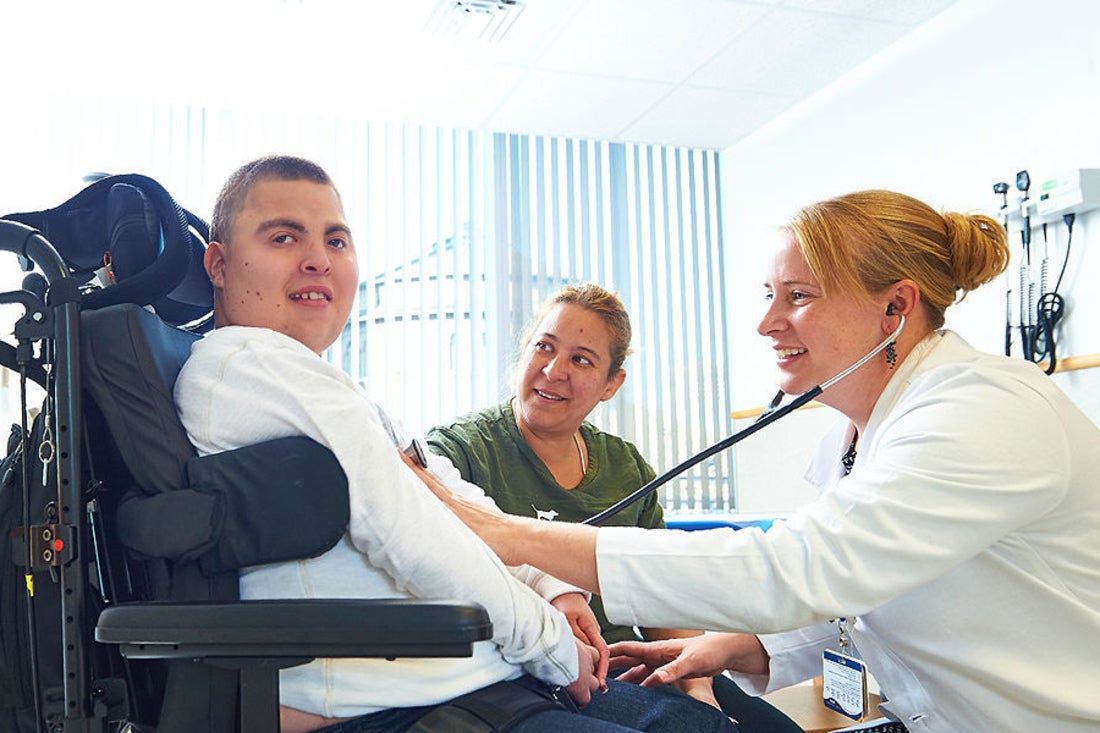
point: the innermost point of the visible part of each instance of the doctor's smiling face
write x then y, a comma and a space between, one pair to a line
816, 336
287, 264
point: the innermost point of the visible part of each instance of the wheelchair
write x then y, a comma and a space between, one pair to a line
130, 544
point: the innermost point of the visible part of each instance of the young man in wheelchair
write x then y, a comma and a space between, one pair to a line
283, 264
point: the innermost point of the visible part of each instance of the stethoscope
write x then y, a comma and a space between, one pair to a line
771, 413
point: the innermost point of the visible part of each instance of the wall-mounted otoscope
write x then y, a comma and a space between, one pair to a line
1027, 287
1001, 188
1063, 196
771, 413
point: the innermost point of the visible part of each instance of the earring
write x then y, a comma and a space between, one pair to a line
891, 354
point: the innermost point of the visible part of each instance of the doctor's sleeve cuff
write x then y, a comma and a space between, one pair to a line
795, 656
620, 581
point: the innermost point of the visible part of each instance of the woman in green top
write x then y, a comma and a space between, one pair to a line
535, 454
537, 457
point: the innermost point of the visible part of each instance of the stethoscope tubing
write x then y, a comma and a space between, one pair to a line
773, 413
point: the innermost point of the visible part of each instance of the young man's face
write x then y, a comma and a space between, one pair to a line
289, 263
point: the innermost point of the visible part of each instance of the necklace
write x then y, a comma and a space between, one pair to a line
849, 458
580, 453
576, 438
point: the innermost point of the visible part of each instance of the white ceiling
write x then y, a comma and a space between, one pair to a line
701, 73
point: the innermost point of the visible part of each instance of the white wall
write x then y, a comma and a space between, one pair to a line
983, 90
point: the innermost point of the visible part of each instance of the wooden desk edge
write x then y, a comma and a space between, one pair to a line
803, 704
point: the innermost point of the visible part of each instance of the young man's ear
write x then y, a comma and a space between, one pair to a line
214, 262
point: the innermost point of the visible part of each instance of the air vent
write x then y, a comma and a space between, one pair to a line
483, 20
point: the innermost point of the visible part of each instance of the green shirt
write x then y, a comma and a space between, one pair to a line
488, 450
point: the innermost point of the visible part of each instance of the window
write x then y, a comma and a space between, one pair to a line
488, 225
460, 236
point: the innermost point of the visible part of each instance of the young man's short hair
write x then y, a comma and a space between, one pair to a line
235, 191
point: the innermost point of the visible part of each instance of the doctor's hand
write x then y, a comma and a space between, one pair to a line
562, 549
502, 532
575, 608
655, 663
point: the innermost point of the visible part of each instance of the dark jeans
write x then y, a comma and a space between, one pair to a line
623, 708
752, 714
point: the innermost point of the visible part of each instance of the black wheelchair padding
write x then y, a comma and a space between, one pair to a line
244, 507
155, 246
496, 708
225, 511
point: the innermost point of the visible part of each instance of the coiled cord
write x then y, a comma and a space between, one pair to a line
1049, 311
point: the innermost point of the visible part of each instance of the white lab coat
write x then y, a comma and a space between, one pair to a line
965, 543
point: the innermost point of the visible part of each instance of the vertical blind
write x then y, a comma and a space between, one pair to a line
492, 224
461, 235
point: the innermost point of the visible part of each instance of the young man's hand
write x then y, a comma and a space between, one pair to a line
575, 608
587, 683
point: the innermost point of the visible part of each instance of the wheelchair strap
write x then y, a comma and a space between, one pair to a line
496, 708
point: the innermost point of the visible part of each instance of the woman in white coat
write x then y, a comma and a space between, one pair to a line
957, 531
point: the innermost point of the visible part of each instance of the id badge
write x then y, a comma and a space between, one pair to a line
845, 685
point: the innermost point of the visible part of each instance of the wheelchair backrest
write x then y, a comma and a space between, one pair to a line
224, 511
131, 359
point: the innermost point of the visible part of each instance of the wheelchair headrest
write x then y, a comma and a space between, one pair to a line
146, 248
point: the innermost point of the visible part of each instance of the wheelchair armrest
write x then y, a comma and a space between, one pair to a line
257, 638
284, 628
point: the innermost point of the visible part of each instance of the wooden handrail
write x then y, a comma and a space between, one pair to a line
1073, 363
1068, 364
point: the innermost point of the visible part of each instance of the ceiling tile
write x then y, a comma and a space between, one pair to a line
795, 52
705, 118
904, 12
455, 94
599, 107
648, 39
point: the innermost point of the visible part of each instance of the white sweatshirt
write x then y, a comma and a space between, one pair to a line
246, 385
